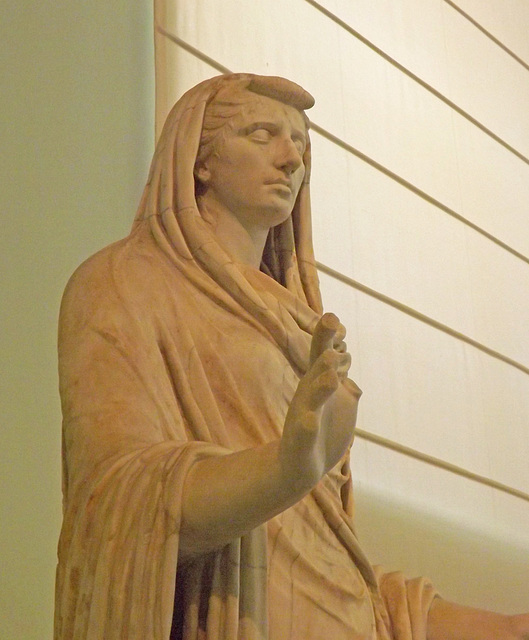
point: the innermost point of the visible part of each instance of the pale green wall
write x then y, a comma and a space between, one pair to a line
76, 121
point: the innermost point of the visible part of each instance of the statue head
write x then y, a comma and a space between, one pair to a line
194, 130
236, 93
251, 153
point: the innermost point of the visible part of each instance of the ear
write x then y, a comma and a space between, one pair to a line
202, 174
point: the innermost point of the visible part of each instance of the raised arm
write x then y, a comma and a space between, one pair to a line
227, 496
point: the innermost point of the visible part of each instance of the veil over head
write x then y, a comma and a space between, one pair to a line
170, 204
152, 380
158, 393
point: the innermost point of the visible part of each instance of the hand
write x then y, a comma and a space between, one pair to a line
320, 421
225, 496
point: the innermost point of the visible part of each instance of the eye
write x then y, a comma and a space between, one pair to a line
261, 135
300, 145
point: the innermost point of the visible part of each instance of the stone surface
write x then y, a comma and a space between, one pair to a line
207, 411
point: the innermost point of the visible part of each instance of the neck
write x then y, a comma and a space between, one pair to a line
245, 245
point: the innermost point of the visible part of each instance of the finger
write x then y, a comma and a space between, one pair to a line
322, 389
329, 360
341, 347
352, 387
344, 365
302, 431
308, 425
305, 397
339, 335
323, 336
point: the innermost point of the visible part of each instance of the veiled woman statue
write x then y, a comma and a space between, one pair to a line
207, 411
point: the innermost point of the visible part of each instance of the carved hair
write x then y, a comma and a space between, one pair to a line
231, 98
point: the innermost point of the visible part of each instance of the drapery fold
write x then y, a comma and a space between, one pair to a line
152, 380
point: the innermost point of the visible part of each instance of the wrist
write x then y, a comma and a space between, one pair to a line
298, 474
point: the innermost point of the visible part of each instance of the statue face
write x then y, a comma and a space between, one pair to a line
256, 168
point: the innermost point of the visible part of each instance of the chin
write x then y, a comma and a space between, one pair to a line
281, 211
271, 212
279, 217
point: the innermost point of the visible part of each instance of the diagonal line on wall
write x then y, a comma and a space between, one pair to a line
440, 464
357, 285
375, 439
417, 315
193, 50
487, 33
359, 154
417, 79
419, 192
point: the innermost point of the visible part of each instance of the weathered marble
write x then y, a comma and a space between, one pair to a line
207, 411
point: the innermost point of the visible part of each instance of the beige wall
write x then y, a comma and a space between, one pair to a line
421, 196
76, 120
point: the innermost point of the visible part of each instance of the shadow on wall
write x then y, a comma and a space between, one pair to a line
466, 566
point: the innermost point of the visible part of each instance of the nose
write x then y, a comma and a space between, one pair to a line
289, 157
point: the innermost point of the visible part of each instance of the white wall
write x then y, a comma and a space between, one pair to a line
422, 198
77, 135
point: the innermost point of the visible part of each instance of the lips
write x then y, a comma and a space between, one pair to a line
280, 181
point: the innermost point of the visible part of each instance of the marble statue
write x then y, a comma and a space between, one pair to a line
208, 413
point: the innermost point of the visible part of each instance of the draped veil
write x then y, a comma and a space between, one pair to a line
170, 206
145, 393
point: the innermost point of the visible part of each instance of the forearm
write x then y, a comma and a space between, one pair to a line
449, 621
227, 496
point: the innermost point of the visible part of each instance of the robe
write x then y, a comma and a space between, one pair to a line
170, 352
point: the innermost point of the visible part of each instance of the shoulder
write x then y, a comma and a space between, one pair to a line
126, 277
128, 268
92, 280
